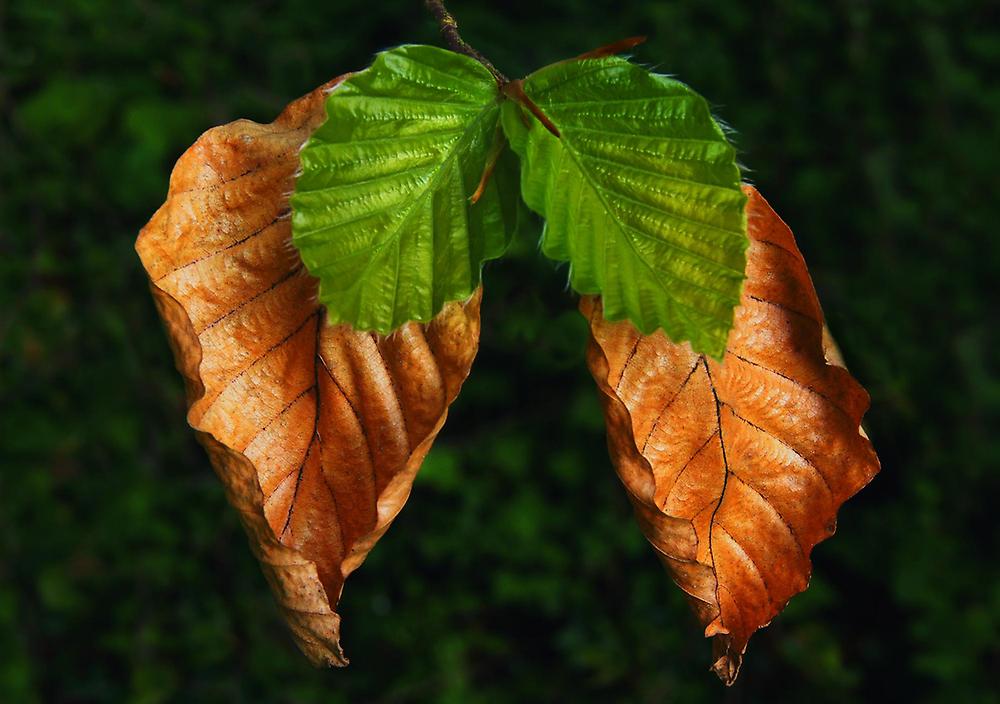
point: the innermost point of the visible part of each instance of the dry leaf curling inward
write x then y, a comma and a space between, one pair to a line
316, 431
736, 469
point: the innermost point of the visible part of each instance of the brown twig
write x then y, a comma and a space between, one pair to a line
512, 89
449, 30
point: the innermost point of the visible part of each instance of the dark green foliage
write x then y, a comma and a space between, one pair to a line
515, 573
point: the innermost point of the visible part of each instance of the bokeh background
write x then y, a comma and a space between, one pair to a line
515, 573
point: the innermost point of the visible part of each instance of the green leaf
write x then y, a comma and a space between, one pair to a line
381, 212
641, 194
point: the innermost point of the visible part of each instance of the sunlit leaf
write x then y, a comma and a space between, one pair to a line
381, 211
640, 194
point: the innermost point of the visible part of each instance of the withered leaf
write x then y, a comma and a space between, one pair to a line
316, 430
736, 468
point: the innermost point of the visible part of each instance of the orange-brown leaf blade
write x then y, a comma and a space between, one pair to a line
736, 469
316, 430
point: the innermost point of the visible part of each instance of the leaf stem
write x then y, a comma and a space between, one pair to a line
449, 30
515, 91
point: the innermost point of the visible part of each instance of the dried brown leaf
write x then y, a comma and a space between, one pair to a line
736, 469
316, 431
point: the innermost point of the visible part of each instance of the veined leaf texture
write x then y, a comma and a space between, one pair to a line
640, 194
736, 434
316, 430
736, 468
381, 212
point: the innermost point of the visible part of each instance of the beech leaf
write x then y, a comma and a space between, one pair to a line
640, 194
736, 468
316, 430
382, 214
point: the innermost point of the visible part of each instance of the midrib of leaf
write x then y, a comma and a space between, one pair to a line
395, 235
626, 229
669, 213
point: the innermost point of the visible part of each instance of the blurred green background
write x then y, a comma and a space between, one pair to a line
515, 573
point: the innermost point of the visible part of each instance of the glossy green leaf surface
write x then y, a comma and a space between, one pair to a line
641, 194
381, 212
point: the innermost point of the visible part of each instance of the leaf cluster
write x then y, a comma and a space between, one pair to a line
412, 183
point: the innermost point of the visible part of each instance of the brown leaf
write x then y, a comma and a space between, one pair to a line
316, 431
736, 469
